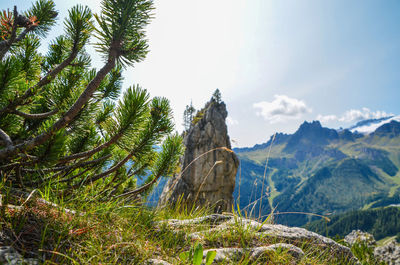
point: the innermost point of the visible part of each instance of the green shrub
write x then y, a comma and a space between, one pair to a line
61, 126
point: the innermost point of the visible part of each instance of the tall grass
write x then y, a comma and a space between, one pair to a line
117, 232
265, 173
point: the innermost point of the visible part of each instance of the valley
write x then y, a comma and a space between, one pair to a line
323, 171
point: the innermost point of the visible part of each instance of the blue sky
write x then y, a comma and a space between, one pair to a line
277, 63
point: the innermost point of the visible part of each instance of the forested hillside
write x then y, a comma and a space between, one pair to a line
322, 171
381, 222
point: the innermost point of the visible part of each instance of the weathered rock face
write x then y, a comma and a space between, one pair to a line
263, 240
208, 166
357, 236
390, 253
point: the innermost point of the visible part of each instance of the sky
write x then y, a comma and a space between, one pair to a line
276, 63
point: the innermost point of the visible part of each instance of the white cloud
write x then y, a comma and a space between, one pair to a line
327, 118
281, 109
354, 115
363, 114
231, 121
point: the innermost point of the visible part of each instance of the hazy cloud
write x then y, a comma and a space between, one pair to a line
281, 109
327, 118
231, 121
363, 114
354, 115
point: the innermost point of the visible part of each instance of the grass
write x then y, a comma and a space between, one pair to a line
114, 233
385, 241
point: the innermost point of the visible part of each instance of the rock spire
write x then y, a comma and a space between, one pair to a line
209, 165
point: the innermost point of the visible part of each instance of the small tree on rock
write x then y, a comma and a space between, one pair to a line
188, 115
60, 123
216, 96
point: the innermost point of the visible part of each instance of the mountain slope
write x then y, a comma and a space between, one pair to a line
369, 126
321, 170
381, 222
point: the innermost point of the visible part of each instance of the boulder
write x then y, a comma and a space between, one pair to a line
234, 255
8, 255
209, 165
157, 262
290, 239
390, 253
357, 236
294, 251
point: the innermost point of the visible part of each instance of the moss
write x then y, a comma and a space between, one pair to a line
198, 117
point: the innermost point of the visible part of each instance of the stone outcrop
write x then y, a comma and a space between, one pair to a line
292, 235
8, 255
389, 253
157, 262
263, 239
235, 254
208, 166
359, 237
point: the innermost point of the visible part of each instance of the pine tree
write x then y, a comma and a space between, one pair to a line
216, 96
188, 115
60, 121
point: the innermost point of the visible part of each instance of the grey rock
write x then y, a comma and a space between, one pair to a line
9, 256
357, 236
296, 234
294, 251
389, 253
226, 254
291, 235
209, 165
236, 254
157, 262
213, 219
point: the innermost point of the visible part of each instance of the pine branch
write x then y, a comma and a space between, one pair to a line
70, 114
132, 174
168, 157
70, 168
74, 176
141, 189
19, 21
93, 151
74, 166
6, 138
131, 110
33, 160
105, 173
78, 27
36, 115
42, 82
5, 45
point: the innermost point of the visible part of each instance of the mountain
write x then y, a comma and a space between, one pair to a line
370, 125
319, 170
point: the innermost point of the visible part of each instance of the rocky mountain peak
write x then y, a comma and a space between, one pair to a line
391, 129
311, 133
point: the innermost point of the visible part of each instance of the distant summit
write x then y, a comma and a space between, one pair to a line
370, 125
369, 122
311, 134
278, 139
391, 129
